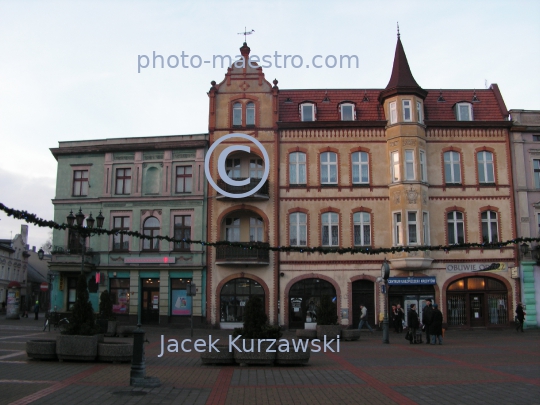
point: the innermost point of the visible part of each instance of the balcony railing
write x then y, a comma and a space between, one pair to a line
247, 254
70, 250
262, 193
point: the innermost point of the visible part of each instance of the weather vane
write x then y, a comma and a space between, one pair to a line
246, 33
398, 29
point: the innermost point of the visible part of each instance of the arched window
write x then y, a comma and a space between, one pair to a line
330, 229
297, 168
250, 114
329, 168
362, 228
456, 227
237, 114
151, 228
234, 296
485, 167
490, 233
360, 167
298, 229
304, 298
452, 168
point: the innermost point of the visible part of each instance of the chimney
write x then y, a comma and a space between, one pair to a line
24, 233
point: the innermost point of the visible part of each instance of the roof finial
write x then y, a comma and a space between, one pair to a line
398, 29
245, 34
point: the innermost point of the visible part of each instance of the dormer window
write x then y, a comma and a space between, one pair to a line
237, 114
250, 113
307, 112
348, 112
464, 112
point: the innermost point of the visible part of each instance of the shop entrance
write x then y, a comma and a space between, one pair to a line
405, 295
363, 292
150, 301
304, 296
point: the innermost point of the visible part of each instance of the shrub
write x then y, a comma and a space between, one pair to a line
327, 311
255, 322
82, 320
106, 306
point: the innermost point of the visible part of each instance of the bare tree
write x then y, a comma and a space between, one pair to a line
47, 246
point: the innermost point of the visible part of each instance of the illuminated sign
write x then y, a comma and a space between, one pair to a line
149, 260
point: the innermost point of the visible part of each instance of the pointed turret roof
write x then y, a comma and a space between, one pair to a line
401, 80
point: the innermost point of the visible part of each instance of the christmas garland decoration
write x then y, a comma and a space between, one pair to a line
35, 220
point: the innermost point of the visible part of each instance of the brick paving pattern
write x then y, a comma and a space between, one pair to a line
471, 367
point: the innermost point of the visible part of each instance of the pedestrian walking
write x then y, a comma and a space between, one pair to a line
414, 323
393, 318
363, 318
426, 318
3, 306
36, 310
400, 318
435, 325
520, 316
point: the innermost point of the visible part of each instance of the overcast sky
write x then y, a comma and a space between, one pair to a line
69, 69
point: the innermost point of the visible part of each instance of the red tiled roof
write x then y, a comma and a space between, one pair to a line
487, 109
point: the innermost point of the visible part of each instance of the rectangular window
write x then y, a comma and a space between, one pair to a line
330, 230
80, 182
407, 116
328, 168
123, 181
256, 227
250, 114
182, 230
397, 229
72, 292
181, 303
74, 242
237, 114
396, 176
490, 232
485, 167
452, 168
393, 112
184, 179
297, 168
256, 168
119, 291
464, 112
419, 115
456, 230
232, 166
121, 241
308, 112
409, 165
423, 166
347, 112
536, 166
425, 228
232, 229
412, 228
362, 228
298, 229
536, 138
360, 168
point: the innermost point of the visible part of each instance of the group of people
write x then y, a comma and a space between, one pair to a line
397, 317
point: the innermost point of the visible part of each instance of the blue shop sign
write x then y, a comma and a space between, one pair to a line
412, 281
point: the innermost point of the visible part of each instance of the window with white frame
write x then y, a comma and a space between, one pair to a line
423, 166
398, 239
232, 229
360, 167
407, 114
362, 228
485, 167
256, 168
419, 112
348, 112
330, 229
298, 229
425, 228
233, 168
409, 165
452, 168
456, 227
237, 114
297, 168
250, 113
396, 175
464, 112
256, 227
490, 232
393, 112
536, 171
328, 168
307, 112
412, 228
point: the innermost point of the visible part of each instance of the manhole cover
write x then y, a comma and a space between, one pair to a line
130, 393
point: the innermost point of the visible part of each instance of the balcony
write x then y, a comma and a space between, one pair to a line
66, 258
229, 255
411, 261
261, 194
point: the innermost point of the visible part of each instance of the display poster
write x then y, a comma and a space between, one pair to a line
121, 307
181, 303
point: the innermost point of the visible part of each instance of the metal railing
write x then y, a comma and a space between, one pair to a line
247, 253
244, 189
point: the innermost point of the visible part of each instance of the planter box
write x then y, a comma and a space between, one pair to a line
76, 347
293, 358
306, 333
102, 324
116, 352
330, 331
126, 330
255, 357
41, 349
111, 328
350, 334
223, 357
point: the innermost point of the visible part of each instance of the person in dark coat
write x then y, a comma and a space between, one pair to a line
393, 319
400, 318
435, 325
413, 323
36, 310
520, 315
426, 318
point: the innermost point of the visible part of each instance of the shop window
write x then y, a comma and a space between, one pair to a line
476, 283
297, 168
181, 303
119, 292
234, 296
304, 298
72, 292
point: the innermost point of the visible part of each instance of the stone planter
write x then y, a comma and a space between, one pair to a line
306, 333
76, 347
102, 324
255, 357
111, 328
223, 357
330, 331
293, 358
41, 349
126, 330
350, 334
116, 352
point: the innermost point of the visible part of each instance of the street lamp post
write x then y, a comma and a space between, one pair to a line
84, 231
50, 275
385, 274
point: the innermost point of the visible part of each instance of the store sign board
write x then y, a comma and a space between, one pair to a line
150, 260
412, 281
473, 267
